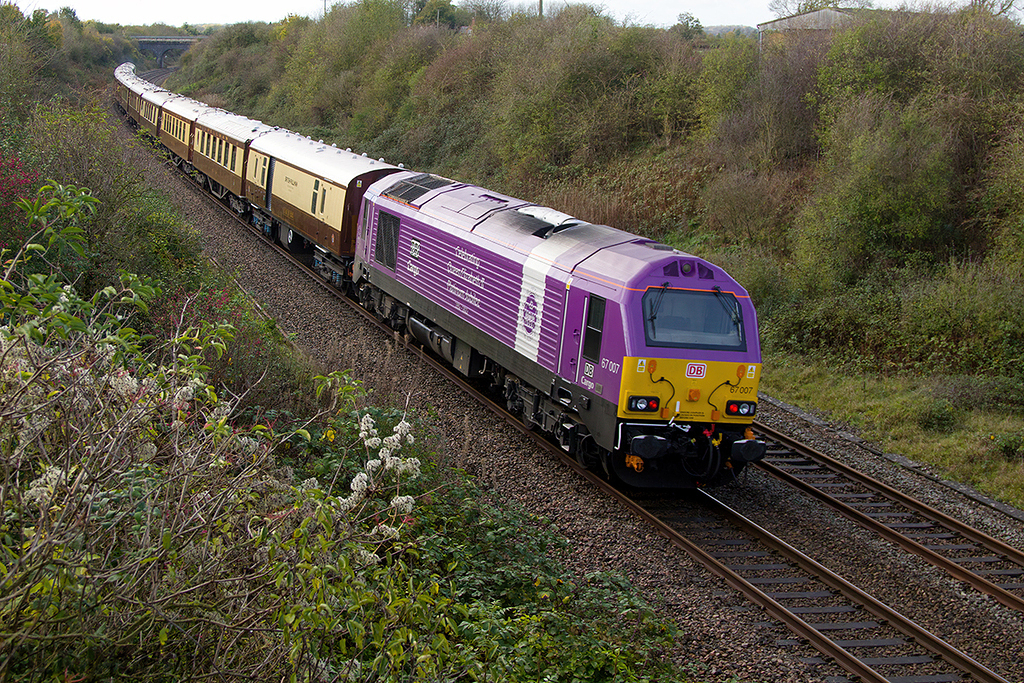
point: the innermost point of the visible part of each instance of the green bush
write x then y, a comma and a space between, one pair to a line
149, 534
1009, 446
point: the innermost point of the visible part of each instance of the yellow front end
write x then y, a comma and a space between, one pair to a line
686, 390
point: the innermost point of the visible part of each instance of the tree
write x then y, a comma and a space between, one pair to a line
689, 26
442, 13
787, 8
994, 7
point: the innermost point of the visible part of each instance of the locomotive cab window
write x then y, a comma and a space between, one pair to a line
595, 327
386, 250
692, 319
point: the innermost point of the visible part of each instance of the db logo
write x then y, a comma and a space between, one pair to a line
696, 370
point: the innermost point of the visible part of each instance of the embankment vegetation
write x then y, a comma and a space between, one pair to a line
863, 183
183, 496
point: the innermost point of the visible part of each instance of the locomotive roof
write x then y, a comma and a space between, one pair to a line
316, 157
641, 263
233, 125
615, 257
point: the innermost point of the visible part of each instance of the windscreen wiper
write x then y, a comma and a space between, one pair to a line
654, 309
730, 307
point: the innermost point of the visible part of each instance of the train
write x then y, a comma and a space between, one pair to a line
639, 360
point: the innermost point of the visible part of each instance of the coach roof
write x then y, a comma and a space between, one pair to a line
233, 125
315, 157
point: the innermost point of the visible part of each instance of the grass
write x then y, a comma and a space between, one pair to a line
961, 437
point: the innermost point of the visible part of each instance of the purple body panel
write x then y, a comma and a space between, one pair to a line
474, 255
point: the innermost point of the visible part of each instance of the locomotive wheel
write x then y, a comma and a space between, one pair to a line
588, 454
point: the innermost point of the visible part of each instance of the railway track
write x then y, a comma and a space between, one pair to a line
977, 559
867, 639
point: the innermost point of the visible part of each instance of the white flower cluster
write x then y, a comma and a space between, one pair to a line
124, 383
386, 462
147, 451
383, 531
183, 396
367, 428
62, 300
248, 445
365, 558
360, 482
41, 490
402, 504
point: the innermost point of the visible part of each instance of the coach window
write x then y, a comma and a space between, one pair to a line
316, 191
595, 325
386, 250
234, 151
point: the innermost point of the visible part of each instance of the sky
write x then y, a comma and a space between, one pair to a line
198, 12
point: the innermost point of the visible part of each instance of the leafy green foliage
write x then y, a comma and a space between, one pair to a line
726, 72
148, 535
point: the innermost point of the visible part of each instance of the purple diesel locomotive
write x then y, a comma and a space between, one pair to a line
641, 360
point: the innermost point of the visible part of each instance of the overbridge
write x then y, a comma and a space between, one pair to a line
161, 45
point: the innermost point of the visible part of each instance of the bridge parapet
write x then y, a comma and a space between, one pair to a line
161, 45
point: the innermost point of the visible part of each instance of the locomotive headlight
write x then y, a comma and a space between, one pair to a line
643, 404
740, 408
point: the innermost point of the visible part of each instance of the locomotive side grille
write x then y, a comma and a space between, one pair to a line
386, 250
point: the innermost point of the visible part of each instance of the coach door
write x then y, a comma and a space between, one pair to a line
329, 214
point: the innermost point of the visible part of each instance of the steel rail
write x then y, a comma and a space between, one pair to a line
955, 569
949, 653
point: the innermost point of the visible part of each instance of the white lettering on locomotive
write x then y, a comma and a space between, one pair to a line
464, 255
463, 274
465, 295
